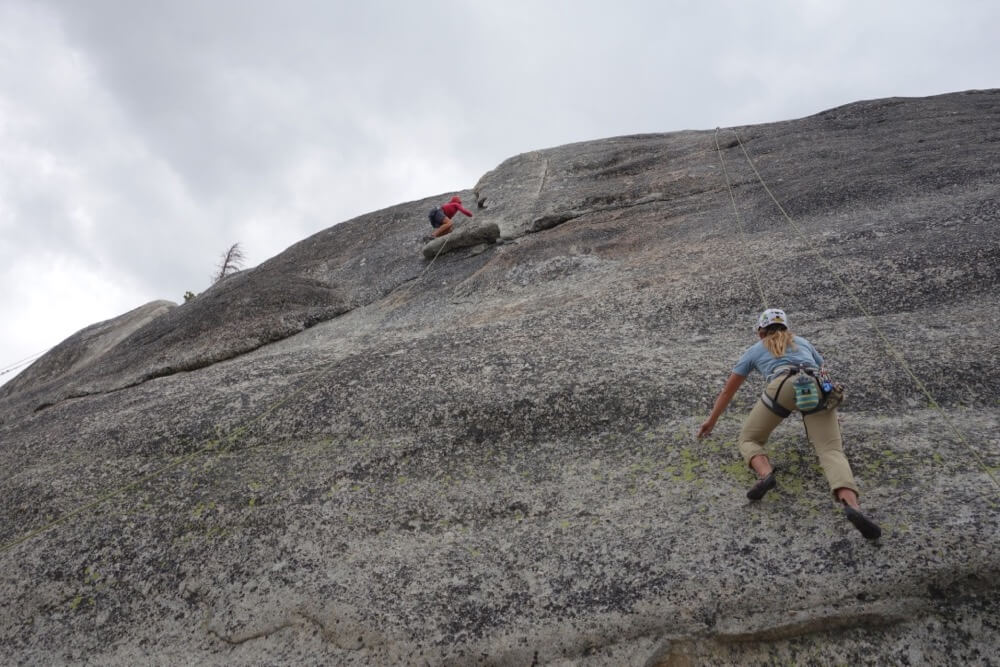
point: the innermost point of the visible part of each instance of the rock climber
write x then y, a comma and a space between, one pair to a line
778, 356
441, 216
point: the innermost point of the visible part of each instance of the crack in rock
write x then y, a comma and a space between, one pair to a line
336, 624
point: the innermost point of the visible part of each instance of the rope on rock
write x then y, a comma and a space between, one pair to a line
829, 268
440, 250
739, 221
19, 364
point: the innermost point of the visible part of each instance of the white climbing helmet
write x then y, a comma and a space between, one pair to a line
771, 316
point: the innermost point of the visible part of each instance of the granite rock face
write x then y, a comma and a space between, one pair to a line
79, 353
349, 455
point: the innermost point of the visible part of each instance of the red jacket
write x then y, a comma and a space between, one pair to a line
453, 207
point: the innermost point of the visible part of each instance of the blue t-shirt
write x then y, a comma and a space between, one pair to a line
758, 358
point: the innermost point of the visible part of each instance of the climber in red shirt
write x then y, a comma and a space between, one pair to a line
441, 216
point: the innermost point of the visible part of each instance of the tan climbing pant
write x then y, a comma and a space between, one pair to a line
822, 430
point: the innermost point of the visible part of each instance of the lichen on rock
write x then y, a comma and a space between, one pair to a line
351, 455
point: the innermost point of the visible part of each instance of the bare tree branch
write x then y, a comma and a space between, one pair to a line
231, 262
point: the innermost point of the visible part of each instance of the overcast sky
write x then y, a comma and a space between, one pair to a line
141, 138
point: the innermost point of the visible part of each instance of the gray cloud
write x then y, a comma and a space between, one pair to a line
139, 139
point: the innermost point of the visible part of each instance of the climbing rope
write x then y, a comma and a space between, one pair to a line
209, 446
829, 268
739, 221
18, 364
428, 267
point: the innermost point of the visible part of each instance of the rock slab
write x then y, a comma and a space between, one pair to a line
349, 455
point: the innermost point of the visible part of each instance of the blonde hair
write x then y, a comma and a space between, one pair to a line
777, 339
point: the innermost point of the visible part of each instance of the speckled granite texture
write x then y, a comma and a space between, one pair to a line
349, 455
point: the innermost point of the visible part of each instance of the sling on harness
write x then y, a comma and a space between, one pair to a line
809, 397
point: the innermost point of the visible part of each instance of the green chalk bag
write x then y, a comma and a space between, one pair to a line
806, 393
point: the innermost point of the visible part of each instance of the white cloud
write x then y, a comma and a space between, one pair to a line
138, 140
51, 296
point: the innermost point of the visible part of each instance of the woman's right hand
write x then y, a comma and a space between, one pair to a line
726, 395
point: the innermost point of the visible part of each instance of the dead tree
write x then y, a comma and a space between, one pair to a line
231, 262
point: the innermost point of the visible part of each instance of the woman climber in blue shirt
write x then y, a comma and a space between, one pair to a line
778, 356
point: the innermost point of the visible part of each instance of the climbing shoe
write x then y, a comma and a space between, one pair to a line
758, 490
868, 528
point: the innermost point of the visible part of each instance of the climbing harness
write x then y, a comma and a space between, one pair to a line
772, 403
815, 391
808, 397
